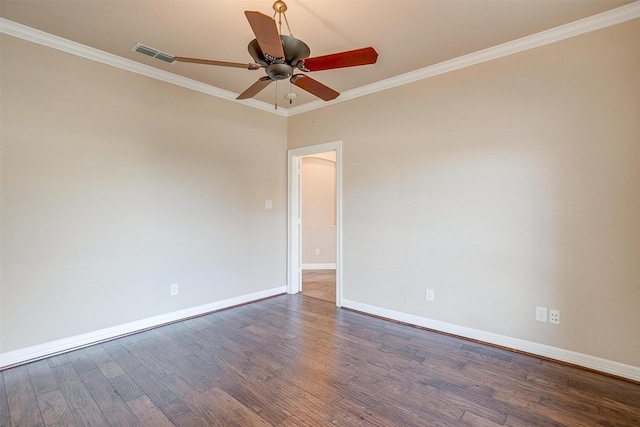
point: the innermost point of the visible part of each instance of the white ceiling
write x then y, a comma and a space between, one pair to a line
408, 34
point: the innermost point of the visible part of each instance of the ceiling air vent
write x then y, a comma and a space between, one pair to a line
153, 53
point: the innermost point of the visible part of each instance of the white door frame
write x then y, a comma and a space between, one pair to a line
294, 224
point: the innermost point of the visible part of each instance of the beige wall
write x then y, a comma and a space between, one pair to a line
115, 185
502, 186
319, 208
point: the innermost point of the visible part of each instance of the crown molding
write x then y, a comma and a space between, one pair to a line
40, 37
592, 23
586, 25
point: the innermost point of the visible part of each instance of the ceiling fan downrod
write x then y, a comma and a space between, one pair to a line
280, 8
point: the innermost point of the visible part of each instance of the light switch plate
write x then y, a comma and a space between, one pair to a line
429, 295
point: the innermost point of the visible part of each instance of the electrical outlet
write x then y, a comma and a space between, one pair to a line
317, 251
541, 314
174, 289
429, 295
554, 317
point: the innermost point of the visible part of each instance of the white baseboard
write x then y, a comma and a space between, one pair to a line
319, 266
579, 359
40, 351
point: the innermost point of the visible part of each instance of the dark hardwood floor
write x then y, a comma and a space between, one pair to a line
293, 361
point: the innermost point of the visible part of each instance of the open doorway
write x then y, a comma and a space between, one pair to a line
318, 231
315, 240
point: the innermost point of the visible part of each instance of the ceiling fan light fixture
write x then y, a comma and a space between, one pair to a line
279, 71
280, 55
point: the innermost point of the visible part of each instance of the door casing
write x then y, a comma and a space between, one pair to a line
294, 216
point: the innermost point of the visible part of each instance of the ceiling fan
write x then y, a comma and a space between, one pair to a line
280, 55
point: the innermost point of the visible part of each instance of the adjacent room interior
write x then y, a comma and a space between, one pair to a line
318, 189
492, 195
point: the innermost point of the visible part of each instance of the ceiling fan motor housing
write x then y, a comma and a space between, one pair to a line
294, 50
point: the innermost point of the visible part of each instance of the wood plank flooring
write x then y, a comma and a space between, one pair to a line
320, 284
298, 361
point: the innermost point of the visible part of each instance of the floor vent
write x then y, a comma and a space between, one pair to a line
153, 53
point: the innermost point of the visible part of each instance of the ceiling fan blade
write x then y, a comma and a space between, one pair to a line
255, 88
314, 87
267, 35
220, 63
352, 58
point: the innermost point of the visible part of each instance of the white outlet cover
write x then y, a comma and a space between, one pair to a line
554, 317
541, 314
268, 204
